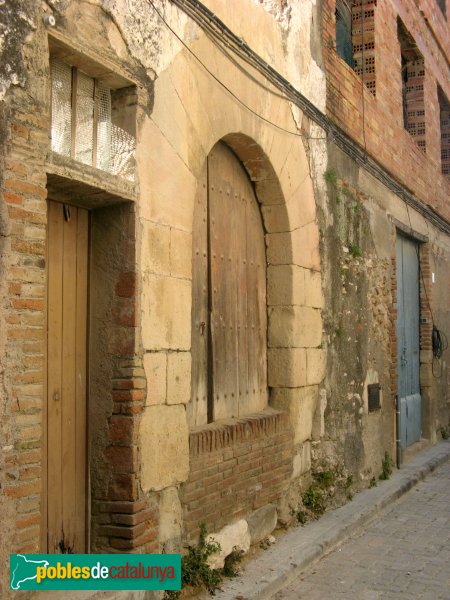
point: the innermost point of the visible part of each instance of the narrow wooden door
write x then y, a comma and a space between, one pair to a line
408, 341
66, 379
229, 324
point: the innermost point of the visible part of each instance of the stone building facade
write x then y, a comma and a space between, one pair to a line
206, 216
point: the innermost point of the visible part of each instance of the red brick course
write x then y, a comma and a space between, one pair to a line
235, 468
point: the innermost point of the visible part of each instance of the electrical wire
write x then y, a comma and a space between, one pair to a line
208, 21
223, 85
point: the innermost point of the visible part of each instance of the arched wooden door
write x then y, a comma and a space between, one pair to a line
229, 324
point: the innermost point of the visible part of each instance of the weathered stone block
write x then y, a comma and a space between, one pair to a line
426, 356
301, 404
178, 378
426, 376
286, 367
285, 285
313, 289
315, 365
262, 522
234, 535
297, 212
305, 247
295, 327
166, 313
167, 185
302, 461
276, 218
180, 254
269, 192
164, 447
170, 515
155, 366
301, 247
155, 248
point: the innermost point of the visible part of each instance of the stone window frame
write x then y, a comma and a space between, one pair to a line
123, 91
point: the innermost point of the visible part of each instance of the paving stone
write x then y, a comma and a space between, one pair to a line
411, 561
391, 541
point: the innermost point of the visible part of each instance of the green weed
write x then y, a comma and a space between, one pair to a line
330, 177
314, 499
354, 250
195, 570
386, 467
231, 565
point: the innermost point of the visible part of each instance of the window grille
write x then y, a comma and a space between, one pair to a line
373, 396
61, 107
82, 123
84, 118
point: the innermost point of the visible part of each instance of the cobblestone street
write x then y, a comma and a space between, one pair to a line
404, 554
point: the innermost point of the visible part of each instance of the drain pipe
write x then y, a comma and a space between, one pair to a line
397, 432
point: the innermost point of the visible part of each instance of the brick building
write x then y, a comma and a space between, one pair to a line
225, 257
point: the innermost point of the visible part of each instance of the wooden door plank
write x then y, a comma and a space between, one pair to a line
82, 243
54, 377
238, 289
198, 406
235, 211
257, 307
223, 285
240, 199
69, 378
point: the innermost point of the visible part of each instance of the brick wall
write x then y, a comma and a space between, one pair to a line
24, 205
123, 519
377, 122
236, 468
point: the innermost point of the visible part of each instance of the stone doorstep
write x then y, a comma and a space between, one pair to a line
270, 571
409, 453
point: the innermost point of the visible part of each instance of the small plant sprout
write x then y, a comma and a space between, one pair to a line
386, 467
330, 177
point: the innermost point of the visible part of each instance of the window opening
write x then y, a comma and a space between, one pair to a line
344, 32
85, 121
444, 117
355, 38
442, 6
413, 78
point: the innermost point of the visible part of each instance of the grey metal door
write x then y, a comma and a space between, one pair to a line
408, 346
